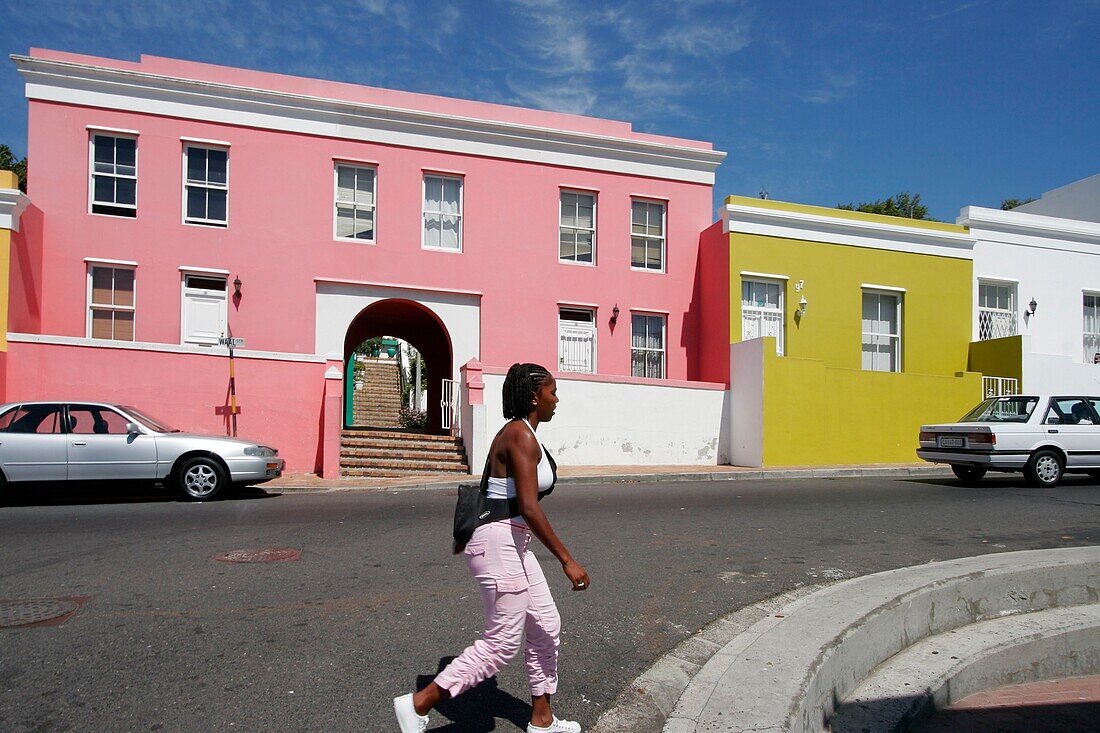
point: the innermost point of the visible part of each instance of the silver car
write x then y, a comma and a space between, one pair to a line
74, 441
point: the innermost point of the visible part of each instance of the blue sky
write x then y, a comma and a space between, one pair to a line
963, 101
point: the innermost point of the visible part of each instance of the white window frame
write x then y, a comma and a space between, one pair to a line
664, 342
1090, 340
661, 240
204, 185
186, 290
90, 306
355, 205
763, 312
425, 213
93, 133
577, 229
589, 329
993, 315
897, 295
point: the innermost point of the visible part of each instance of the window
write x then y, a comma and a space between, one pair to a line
1092, 329
647, 346
996, 310
647, 235
204, 316
762, 311
881, 331
442, 212
354, 202
36, 419
206, 186
1070, 411
110, 303
576, 340
577, 228
114, 175
95, 420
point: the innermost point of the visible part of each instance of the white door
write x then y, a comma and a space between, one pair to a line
576, 340
101, 448
1073, 424
204, 310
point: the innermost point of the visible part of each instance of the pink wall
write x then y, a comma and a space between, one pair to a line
712, 288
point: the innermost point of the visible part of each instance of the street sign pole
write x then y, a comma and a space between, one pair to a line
232, 343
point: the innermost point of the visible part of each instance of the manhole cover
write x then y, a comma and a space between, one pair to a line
271, 554
30, 611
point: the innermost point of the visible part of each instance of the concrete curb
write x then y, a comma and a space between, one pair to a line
788, 671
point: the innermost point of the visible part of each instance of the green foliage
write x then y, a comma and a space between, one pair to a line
410, 418
19, 167
370, 347
1010, 204
904, 204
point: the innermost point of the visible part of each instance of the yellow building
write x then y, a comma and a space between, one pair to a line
847, 332
12, 203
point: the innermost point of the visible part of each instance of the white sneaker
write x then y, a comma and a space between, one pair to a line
407, 719
556, 726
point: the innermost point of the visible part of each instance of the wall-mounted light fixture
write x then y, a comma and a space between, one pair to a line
237, 286
802, 305
1031, 307
615, 314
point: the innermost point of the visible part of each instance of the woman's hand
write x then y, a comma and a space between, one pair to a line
577, 575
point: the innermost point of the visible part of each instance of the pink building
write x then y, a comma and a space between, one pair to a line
172, 203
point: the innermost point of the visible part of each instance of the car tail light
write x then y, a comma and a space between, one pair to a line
926, 437
982, 438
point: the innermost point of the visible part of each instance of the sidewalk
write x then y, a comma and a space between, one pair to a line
611, 474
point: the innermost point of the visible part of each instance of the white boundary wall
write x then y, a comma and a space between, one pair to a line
616, 423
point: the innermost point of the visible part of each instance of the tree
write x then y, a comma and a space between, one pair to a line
1010, 204
903, 204
9, 163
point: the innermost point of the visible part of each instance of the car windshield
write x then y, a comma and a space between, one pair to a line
150, 422
1002, 409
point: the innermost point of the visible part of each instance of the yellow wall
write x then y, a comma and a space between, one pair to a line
820, 407
1003, 357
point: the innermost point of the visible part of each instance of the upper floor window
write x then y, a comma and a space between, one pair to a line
1092, 328
577, 228
206, 186
881, 331
442, 212
762, 311
996, 310
204, 309
110, 303
113, 167
647, 346
354, 202
576, 340
647, 235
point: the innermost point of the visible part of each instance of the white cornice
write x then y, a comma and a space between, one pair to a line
1015, 227
12, 203
97, 86
219, 351
852, 232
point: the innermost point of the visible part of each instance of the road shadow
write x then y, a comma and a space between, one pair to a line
917, 713
478, 709
63, 493
1002, 481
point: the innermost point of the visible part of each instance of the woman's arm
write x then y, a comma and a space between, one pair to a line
524, 455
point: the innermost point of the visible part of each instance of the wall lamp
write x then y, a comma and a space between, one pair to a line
237, 286
802, 305
615, 314
1031, 308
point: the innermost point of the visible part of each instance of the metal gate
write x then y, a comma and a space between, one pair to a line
449, 405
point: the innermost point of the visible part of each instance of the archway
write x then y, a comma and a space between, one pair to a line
412, 322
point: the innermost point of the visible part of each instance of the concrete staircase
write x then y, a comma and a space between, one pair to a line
378, 404
391, 453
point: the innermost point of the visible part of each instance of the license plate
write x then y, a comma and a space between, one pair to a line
946, 442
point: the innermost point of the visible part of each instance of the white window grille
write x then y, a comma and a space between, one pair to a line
442, 212
647, 235
576, 340
113, 171
110, 303
762, 311
204, 310
996, 310
881, 331
206, 186
355, 202
1092, 329
577, 228
647, 346
999, 386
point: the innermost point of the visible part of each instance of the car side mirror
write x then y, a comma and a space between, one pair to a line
1054, 420
132, 428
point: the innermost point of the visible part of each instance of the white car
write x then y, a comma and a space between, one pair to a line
73, 441
1044, 436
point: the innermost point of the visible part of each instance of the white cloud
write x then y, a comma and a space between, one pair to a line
836, 85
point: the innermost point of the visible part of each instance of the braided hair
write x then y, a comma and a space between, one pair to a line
521, 384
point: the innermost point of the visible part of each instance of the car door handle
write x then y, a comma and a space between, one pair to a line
1052, 431
80, 442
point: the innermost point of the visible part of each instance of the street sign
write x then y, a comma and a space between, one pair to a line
227, 410
231, 341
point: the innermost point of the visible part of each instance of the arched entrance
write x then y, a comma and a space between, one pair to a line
419, 326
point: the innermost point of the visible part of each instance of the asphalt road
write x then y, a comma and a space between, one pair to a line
169, 639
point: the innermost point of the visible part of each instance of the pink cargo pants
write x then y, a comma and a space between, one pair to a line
517, 600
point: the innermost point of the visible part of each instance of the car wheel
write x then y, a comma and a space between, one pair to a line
201, 478
969, 475
1044, 469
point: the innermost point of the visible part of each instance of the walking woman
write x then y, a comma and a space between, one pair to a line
516, 595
